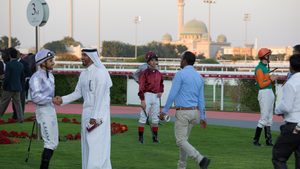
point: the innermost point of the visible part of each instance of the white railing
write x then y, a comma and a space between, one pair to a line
281, 67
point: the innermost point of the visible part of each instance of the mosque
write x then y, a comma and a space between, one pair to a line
194, 36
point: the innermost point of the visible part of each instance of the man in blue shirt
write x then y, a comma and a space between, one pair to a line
187, 93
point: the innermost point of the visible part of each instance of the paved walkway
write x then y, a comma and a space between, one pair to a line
237, 119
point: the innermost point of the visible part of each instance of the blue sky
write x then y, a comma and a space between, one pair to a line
273, 22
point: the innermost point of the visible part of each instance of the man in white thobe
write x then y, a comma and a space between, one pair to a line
94, 86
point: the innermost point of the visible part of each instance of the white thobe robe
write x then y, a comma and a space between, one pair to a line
94, 86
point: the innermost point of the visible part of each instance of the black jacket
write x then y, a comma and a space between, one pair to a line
13, 76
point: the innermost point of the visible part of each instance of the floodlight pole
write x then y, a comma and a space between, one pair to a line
9, 23
137, 20
209, 2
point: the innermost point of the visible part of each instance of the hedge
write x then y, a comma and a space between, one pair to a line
65, 84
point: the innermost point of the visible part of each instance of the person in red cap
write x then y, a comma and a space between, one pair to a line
150, 90
142, 67
265, 96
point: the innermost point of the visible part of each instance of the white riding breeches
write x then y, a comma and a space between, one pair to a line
266, 102
46, 117
152, 108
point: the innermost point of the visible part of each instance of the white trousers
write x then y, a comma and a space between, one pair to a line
46, 118
152, 108
266, 103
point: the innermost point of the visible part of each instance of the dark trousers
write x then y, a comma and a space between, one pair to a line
5, 100
22, 97
286, 144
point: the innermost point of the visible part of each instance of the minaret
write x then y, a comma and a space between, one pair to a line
180, 17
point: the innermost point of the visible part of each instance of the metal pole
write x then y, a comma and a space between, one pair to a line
36, 39
245, 32
9, 24
71, 18
222, 94
137, 20
99, 18
246, 19
209, 22
135, 48
214, 91
209, 2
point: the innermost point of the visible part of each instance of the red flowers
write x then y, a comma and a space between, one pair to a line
1, 121
30, 118
11, 120
12, 136
5, 140
118, 128
70, 136
67, 120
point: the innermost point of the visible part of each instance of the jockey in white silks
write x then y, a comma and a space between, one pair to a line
42, 91
94, 86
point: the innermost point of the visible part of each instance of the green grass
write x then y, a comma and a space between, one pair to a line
228, 147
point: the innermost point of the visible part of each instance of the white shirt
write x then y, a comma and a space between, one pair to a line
41, 87
290, 101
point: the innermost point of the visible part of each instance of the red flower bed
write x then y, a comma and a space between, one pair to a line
4, 133
11, 120
4, 137
118, 128
28, 119
2, 121
115, 128
65, 120
4, 140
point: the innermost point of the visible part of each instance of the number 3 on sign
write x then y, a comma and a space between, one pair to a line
35, 11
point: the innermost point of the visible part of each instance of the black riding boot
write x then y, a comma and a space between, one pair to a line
268, 136
155, 137
141, 137
46, 156
279, 164
257, 136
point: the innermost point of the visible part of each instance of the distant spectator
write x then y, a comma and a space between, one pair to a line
296, 50
5, 58
25, 86
12, 84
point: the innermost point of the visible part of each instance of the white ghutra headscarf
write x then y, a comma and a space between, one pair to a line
93, 55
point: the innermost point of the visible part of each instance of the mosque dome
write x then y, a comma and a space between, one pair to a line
194, 27
221, 39
166, 38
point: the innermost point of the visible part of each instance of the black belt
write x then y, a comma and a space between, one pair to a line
186, 108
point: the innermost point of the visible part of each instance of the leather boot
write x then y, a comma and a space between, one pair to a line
257, 136
279, 164
141, 137
155, 137
268, 136
46, 156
